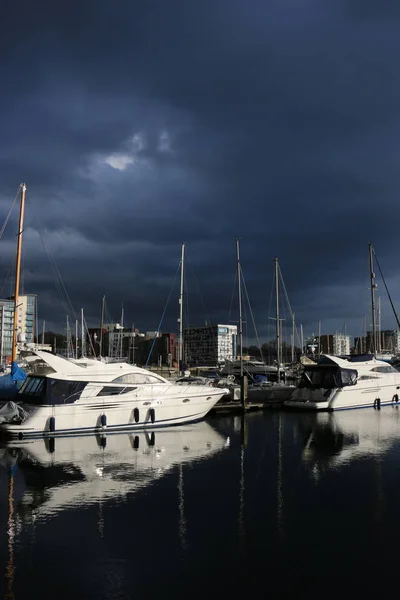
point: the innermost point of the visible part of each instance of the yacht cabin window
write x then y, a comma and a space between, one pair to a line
135, 378
47, 391
115, 391
384, 369
328, 377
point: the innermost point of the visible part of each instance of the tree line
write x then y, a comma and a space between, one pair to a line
268, 352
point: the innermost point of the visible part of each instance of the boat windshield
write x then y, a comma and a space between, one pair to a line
47, 391
328, 377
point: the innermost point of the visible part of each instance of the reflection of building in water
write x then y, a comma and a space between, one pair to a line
336, 439
66, 472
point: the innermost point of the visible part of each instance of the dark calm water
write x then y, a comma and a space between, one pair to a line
271, 505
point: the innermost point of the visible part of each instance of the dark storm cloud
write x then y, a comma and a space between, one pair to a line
141, 125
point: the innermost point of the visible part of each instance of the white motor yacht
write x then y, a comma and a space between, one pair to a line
94, 396
340, 383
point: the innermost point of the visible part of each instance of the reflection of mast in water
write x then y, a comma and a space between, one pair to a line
279, 494
379, 488
10, 569
182, 519
243, 444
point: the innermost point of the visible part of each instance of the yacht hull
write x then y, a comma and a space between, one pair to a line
344, 399
113, 414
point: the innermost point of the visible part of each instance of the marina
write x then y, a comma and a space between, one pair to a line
278, 485
199, 300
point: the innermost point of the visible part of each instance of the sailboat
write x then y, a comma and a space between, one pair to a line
276, 390
9, 383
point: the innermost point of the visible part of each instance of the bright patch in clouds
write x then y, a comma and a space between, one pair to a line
164, 142
135, 155
138, 142
119, 161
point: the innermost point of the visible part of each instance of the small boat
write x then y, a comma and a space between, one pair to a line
338, 383
251, 367
94, 397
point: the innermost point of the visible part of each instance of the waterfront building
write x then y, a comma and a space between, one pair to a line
158, 348
210, 345
386, 340
335, 344
26, 316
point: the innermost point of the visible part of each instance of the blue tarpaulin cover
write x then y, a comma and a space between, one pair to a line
17, 373
10, 383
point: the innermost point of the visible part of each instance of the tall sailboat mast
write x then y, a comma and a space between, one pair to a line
278, 325
103, 301
239, 276
180, 341
18, 272
293, 332
68, 338
373, 287
82, 334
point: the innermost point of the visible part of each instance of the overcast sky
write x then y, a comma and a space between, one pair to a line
140, 124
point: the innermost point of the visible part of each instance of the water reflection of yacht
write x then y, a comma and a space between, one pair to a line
84, 470
341, 437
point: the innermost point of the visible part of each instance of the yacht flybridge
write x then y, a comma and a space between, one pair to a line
93, 397
339, 383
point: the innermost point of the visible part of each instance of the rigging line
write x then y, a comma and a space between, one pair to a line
252, 316
52, 262
198, 288
287, 299
107, 314
54, 268
163, 314
6, 278
244, 322
271, 297
387, 291
9, 213
88, 335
